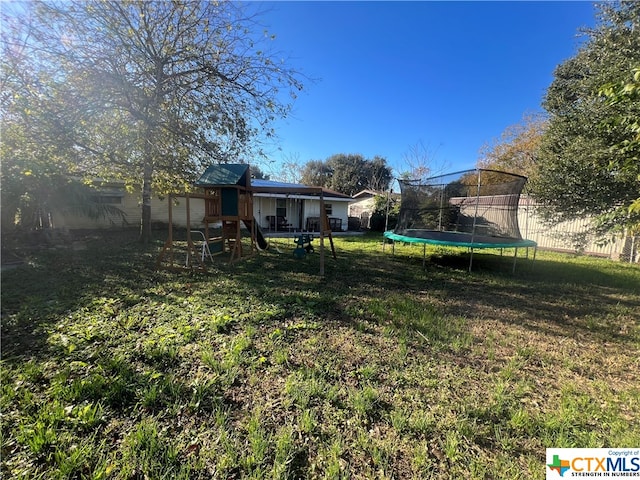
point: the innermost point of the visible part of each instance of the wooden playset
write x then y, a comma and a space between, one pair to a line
228, 202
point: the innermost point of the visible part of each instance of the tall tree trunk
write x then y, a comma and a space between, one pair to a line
149, 151
147, 177
145, 222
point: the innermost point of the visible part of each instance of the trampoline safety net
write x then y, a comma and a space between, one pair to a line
480, 202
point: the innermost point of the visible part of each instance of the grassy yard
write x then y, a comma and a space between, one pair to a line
262, 369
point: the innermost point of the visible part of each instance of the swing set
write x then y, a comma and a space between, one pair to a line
228, 201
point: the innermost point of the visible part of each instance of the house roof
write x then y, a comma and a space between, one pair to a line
368, 193
364, 195
225, 174
230, 174
266, 187
259, 182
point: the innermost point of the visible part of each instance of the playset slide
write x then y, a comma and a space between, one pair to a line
260, 238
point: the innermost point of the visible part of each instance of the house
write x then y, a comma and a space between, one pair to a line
277, 206
280, 206
363, 205
295, 207
112, 194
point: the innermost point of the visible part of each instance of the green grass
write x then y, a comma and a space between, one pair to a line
262, 369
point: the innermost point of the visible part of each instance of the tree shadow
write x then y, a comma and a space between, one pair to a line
555, 298
56, 281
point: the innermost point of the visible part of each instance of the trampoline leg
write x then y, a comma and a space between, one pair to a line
515, 257
470, 260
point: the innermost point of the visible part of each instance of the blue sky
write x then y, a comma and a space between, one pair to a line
390, 75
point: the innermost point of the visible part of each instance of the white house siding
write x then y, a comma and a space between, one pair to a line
131, 206
365, 205
128, 203
265, 205
160, 211
298, 209
363, 209
339, 209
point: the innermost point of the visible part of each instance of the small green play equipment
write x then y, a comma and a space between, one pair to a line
303, 245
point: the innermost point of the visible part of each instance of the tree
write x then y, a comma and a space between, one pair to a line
627, 93
380, 175
257, 173
35, 169
581, 168
385, 213
316, 173
348, 173
420, 160
142, 91
291, 169
516, 151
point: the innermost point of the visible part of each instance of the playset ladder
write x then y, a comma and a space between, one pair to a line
233, 237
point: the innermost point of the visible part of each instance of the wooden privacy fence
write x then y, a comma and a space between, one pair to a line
573, 236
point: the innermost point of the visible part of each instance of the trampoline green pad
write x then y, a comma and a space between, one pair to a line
457, 239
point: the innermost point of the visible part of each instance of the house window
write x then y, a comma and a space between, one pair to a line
107, 198
328, 209
281, 207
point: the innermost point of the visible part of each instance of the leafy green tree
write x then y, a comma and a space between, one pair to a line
628, 94
35, 171
582, 169
142, 91
256, 172
385, 212
348, 173
380, 174
316, 173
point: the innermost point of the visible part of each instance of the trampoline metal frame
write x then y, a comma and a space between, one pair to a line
471, 245
474, 241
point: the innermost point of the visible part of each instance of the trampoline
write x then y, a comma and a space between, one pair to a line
476, 209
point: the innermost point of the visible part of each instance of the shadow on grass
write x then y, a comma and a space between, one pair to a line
562, 296
555, 297
206, 351
56, 281
558, 297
